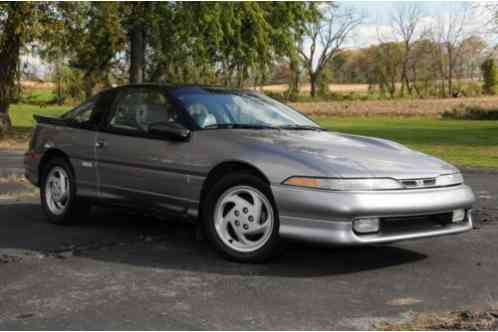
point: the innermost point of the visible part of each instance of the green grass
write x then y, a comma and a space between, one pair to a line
37, 96
21, 115
464, 143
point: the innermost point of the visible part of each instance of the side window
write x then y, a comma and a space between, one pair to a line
83, 113
204, 114
137, 109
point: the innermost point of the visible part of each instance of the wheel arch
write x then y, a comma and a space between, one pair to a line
222, 169
50, 154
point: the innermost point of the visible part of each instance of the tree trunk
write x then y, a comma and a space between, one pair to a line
293, 77
450, 71
137, 52
10, 45
58, 70
89, 84
313, 83
5, 123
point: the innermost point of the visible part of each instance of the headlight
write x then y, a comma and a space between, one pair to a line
344, 184
449, 180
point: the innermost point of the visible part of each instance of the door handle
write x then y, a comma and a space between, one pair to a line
99, 144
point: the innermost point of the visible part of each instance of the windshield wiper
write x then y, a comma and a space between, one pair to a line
301, 127
237, 126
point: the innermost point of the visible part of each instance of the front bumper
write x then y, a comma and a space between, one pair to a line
326, 216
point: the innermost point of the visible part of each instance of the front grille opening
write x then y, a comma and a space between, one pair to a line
419, 183
399, 225
429, 182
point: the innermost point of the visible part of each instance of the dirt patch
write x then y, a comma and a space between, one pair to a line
13, 178
15, 140
37, 84
401, 107
13, 145
279, 88
16, 187
456, 320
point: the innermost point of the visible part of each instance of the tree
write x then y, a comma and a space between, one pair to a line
472, 49
137, 45
294, 76
489, 74
93, 35
492, 22
424, 66
326, 37
388, 58
137, 19
406, 20
191, 41
449, 32
16, 24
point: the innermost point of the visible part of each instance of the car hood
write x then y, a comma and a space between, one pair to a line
344, 155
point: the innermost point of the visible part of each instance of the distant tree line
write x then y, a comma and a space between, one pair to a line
423, 71
442, 59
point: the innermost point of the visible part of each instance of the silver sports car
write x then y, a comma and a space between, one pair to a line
247, 168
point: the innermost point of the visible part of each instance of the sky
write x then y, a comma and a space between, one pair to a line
377, 18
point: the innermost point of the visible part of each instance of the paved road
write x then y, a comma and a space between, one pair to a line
11, 162
125, 271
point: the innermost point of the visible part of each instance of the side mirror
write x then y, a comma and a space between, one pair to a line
172, 131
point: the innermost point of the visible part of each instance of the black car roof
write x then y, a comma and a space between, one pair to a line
171, 87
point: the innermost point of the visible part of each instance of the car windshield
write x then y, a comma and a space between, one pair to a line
216, 109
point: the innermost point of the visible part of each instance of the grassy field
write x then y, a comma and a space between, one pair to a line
465, 143
21, 115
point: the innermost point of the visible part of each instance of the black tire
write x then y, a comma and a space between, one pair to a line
270, 248
76, 208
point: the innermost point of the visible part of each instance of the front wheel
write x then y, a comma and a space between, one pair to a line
241, 219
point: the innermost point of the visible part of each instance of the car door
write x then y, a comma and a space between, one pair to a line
136, 168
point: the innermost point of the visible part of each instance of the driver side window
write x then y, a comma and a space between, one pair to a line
136, 110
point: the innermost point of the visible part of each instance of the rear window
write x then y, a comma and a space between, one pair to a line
83, 113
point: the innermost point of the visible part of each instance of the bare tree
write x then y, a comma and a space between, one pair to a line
405, 25
325, 37
492, 20
448, 33
473, 50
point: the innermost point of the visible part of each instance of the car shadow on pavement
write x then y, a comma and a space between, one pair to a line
115, 236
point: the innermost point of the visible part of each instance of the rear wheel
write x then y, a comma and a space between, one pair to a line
58, 193
241, 219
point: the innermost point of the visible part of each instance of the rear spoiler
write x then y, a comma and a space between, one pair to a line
50, 120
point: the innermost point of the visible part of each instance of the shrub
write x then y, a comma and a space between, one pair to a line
488, 68
73, 84
471, 89
69, 86
323, 83
282, 97
462, 112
